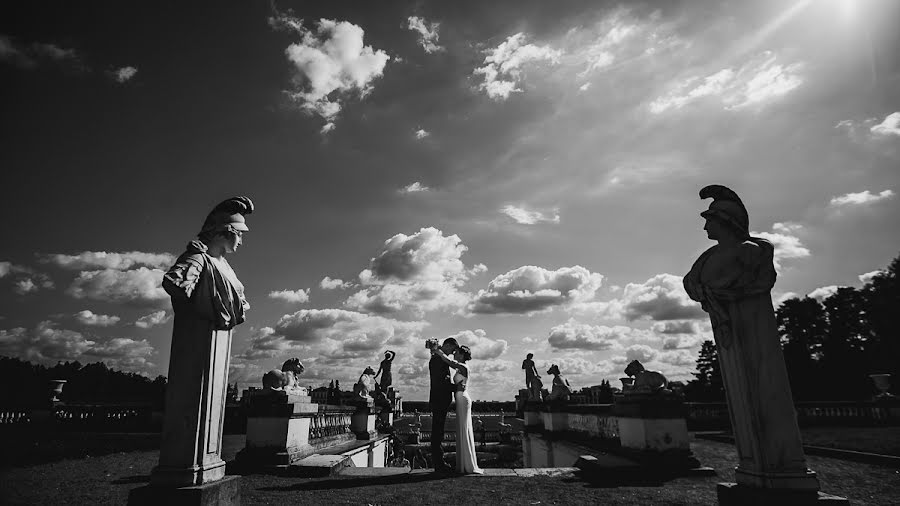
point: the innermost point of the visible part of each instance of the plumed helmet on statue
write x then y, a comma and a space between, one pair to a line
228, 215
726, 207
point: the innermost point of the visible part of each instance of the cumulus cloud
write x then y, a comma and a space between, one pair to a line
660, 298
503, 66
92, 260
529, 289
349, 327
869, 276
48, 344
265, 343
25, 286
88, 317
415, 273
757, 82
140, 286
330, 64
27, 280
292, 296
123, 74
861, 198
483, 348
415, 187
676, 327
677, 357
125, 354
890, 125
787, 245
333, 284
428, 33
823, 292
524, 216
581, 336
574, 366
153, 319
640, 352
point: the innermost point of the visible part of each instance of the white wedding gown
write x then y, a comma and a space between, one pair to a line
466, 459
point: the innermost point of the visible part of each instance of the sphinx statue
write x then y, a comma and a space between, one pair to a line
561, 389
645, 382
285, 380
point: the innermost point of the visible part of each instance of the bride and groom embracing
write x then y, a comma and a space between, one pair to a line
443, 357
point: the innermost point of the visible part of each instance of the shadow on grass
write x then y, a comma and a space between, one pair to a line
130, 480
22, 448
345, 483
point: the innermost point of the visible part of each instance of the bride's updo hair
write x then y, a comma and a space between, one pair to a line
465, 353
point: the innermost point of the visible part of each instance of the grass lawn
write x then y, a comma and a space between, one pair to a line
106, 478
883, 440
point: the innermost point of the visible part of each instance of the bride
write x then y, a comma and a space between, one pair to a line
466, 460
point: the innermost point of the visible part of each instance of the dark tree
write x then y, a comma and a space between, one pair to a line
707, 385
802, 324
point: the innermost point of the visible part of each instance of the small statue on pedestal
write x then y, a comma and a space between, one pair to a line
366, 384
645, 382
561, 389
285, 380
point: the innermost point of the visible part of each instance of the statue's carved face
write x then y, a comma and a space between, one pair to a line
369, 371
554, 370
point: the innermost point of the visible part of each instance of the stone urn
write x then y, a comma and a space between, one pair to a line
883, 384
56, 388
627, 383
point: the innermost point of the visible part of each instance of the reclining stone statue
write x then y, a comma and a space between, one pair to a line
285, 380
645, 382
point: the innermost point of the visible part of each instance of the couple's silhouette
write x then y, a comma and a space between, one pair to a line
451, 354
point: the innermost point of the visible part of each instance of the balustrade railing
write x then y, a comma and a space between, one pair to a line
330, 422
14, 417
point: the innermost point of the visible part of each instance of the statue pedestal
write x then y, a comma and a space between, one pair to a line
195, 405
533, 414
283, 429
224, 492
651, 422
738, 495
362, 422
653, 431
555, 418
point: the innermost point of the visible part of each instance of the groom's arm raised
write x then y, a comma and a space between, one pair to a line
445, 358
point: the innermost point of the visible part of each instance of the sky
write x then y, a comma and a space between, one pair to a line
521, 175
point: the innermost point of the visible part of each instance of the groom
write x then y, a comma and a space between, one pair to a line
439, 399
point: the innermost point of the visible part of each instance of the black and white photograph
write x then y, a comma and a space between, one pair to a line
295, 251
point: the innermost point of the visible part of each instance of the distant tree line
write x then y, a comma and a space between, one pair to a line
28, 385
830, 347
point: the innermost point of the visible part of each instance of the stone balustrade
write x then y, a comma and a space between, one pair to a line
329, 421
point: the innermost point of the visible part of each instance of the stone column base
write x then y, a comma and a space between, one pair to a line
738, 495
225, 492
187, 477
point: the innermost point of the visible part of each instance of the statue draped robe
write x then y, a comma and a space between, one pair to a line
733, 286
209, 301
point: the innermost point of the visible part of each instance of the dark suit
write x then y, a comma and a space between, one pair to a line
439, 400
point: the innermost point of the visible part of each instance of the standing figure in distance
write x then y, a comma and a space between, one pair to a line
531, 374
384, 369
466, 457
439, 398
